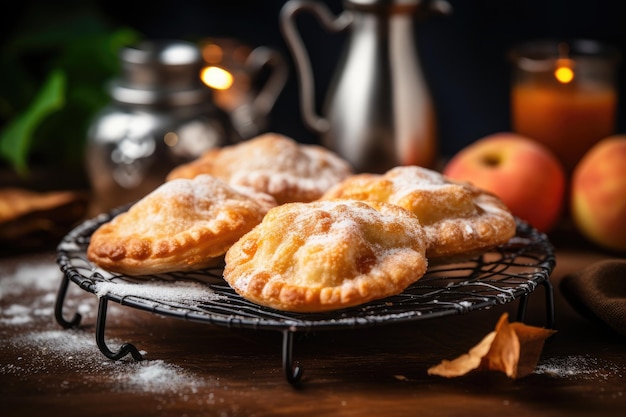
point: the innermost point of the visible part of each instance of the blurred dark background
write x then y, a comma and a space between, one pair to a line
463, 55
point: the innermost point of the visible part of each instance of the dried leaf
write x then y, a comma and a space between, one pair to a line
531, 340
512, 348
504, 352
464, 363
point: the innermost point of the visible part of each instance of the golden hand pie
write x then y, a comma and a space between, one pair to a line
460, 220
273, 164
182, 225
327, 255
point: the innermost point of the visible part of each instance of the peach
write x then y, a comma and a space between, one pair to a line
523, 173
598, 193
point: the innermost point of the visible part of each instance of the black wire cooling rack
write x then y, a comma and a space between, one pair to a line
507, 273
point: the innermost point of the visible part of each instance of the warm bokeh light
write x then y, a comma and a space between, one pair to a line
212, 53
216, 77
170, 139
564, 72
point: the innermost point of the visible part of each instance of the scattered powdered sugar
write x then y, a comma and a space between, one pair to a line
578, 366
357, 220
63, 342
77, 350
407, 179
41, 275
27, 298
16, 314
183, 292
157, 376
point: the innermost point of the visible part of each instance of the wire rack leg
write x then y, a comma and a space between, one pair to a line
549, 303
293, 372
549, 294
124, 350
58, 306
521, 309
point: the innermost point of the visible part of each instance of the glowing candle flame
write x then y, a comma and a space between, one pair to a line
564, 74
216, 77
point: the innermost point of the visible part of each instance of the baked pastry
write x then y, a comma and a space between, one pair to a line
327, 255
460, 219
33, 219
274, 164
18, 202
184, 224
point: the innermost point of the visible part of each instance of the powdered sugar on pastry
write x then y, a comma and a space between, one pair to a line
327, 255
460, 220
274, 164
182, 225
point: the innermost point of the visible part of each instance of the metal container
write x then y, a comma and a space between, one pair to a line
378, 111
160, 115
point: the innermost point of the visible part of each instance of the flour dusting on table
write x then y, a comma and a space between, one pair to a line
27, 298
578, 366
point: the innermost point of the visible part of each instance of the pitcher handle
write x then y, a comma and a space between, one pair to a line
301, 59
260, 57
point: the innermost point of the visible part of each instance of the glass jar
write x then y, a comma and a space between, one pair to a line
160, 115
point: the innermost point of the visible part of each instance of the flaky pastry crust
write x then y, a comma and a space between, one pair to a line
184, 224
327, 255
274, 164
460, 219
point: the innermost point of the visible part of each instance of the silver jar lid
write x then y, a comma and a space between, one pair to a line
160, 73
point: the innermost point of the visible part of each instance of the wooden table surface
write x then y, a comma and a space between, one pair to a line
198, 369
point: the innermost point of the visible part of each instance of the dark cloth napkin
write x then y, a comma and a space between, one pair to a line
599, 292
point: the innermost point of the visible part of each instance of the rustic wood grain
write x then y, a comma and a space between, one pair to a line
233, 372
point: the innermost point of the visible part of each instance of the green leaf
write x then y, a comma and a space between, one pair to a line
16, 137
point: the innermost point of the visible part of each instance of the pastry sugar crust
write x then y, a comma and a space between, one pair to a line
327, 255
184, 224
274, 164
460, 219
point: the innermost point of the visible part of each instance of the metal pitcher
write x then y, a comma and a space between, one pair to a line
378, 111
